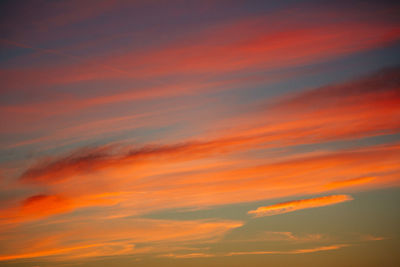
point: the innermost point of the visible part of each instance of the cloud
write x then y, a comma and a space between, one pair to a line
289, 236
372, 238
151, 179
206, 52
81, 161
89, 160
350, 182
45, 205
220, 49
187, 256
270, 252
37, 206
368, 107
82, 239
63, 251
294, 205
297, 251
91, 74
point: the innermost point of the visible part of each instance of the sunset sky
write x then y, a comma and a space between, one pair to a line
199, 133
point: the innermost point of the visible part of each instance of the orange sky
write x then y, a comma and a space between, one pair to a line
199, 133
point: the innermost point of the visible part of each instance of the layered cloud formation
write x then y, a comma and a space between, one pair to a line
134, 129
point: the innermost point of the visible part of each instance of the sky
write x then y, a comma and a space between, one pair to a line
199, 133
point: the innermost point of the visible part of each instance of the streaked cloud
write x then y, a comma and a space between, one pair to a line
81, 240
205, 53
350, 182
372, 103
187, 256
69, 250
272, 252
41, 206
220, 49
296, 251
137, 186
289, 236
294, 205
372, 238
134, 128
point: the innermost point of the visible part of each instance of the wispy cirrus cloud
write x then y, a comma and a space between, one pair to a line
155, 179
372, 238
36, 206
364, 107
350, 182
296, 251
289, 236
92, 160
217, 51
294, 205
81, 239
187, 256
115, 112
83, 251
221, 49
269, 252
44, 205
369, 107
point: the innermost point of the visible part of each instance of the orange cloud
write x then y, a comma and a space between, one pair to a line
41, 206
271, 252
240, 45
37, 206
368, 107
291, 206
92, 160
174, 177
81, 240
372, 238
51, 252
187, 256
349, 182
216, 51
297, 251
250, 157
206, 171
289, 236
